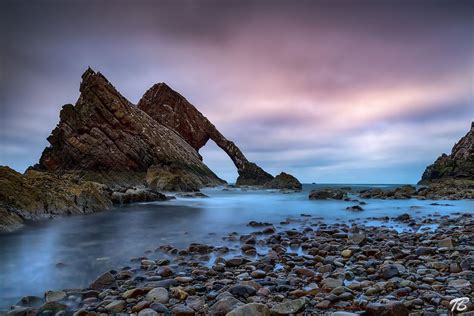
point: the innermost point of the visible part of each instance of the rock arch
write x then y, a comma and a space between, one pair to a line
171, 109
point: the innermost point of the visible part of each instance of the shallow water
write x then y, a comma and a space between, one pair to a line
87, 245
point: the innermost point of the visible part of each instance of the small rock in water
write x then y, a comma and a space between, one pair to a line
355, 208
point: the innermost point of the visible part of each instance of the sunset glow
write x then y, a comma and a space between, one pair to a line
292, 85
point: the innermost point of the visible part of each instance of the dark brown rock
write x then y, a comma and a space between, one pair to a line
104, 281
137, 195
327, 194
105, 132
400, 193
391, 309
172, 110
284, 181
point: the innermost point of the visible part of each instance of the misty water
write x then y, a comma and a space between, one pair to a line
88, 245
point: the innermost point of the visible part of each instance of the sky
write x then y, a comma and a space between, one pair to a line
329, 91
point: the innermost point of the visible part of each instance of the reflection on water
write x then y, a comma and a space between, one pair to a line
71, 251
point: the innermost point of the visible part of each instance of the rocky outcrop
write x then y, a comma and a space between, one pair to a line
328, 194
173, 110
172, 178
284, 181
448, 189
104, 132
458, 165
133, 195
35, 195
400, 193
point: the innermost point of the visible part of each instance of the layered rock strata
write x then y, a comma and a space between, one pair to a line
171, 109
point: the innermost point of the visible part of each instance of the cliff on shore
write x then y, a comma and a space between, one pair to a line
459, 164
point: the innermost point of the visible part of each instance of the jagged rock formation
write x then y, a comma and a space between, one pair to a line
106, 150
104, 132
173, 110
458, 165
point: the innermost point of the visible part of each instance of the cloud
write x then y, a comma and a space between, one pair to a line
315, 88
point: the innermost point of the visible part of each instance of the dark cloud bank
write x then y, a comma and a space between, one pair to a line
332, 91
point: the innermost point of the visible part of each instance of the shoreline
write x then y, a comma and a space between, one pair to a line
315, 268
14, 218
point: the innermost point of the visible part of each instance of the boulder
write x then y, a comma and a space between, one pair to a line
224, 305
289, 307
327, 194
116, 306
104, 281
389, 309
284, 181
133, 195
254, 309
158, 295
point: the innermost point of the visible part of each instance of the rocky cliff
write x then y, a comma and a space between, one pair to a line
35, 195
104, 132
457, 165
173, 110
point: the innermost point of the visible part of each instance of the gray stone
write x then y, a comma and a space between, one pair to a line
460, 283
182, 310
158, 295
147, 312
116, 306
104, 281
330, 283
241, 290
54, 296
389, 271
224, 305
289, 307
254, 309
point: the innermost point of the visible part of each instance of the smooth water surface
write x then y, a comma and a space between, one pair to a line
88, 245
